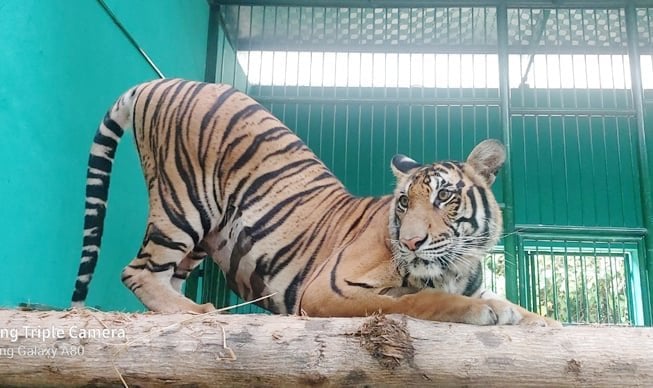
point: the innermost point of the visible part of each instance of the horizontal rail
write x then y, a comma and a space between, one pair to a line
435, 3
582, 232
374, 100
283, 45
544, 111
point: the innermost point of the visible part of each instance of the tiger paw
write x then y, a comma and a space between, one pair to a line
532, 319
493, 312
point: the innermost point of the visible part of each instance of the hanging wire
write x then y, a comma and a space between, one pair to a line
131, 39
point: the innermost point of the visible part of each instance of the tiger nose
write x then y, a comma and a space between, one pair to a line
414, 242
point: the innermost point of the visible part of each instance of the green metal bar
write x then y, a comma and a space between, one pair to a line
439, 48
646, 296
568, 302
613, 289
191, 284
583, 282
381, 100
631, 300
581, 237
545, 111
554, 283
577, 292
532, 271
508, 211
598, 294
642, 153
577, 231
436, 3
211, 65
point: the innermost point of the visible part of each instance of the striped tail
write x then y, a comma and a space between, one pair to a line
100, 162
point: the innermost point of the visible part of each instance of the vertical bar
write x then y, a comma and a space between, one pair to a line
629, 283
566, 266
577, 292
583, 283
211, 65
235, 49
554, 281
508, 215
261, 64
642, 155
598, 288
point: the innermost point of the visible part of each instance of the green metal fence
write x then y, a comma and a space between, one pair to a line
568, 90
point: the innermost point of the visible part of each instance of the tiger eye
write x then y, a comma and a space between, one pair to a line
403, 201
444, 195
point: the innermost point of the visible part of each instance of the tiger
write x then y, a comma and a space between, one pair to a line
228, 180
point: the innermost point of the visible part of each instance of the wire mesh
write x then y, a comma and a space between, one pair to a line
360, 84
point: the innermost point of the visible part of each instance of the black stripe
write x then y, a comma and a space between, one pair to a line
488, 211
87, 267
92, 240
97, 191
106, 141
99, 163
362, 214
143, 255
324, 175
475, 280
90, 222
472, 203
148, 100
361, 285
153, 267
334, 286
112, 125
269, 134
290, 296
240, 115
287, 251
80, 292
286, 170
296, 145
296, 200
228, 150
209, 115
159, 238
185, 170
176, 217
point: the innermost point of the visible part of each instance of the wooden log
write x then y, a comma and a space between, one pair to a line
73, 348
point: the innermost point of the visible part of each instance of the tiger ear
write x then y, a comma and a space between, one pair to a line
487, 158
402, 166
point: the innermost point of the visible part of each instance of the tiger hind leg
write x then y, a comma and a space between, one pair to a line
150, 274
186, 266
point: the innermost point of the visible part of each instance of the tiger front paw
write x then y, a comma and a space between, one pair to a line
532, 319
493, 312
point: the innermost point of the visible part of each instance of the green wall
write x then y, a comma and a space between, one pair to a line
63, 63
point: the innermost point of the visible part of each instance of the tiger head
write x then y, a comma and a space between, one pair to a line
444, 217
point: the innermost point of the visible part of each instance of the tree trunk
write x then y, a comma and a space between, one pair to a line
95, 348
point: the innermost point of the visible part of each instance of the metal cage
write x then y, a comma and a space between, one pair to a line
567, 86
